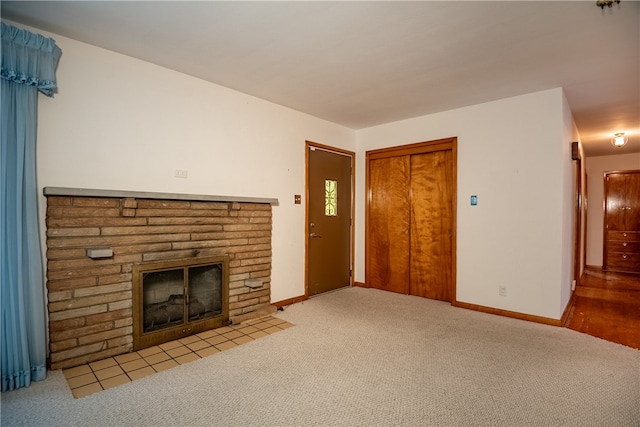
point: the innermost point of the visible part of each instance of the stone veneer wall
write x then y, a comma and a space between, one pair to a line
90, 300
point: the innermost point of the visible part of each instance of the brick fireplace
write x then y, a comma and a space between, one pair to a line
96, 238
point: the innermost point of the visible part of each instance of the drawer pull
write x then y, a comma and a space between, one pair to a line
624, 234
624, 243
624, 256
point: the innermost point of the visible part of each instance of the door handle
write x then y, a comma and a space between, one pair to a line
314, 235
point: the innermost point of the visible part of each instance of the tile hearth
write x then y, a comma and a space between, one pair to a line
97, 376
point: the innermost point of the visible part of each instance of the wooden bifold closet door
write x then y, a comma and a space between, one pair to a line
410, 234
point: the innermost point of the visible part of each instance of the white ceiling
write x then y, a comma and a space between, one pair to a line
366, 63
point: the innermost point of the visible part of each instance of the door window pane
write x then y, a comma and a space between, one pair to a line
330, 198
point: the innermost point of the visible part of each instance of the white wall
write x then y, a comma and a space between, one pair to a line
596, 167
123, 124
512, 155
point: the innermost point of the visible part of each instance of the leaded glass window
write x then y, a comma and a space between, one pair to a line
330, 198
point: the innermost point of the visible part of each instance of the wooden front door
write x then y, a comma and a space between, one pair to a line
622, 222
410, 237
329, 214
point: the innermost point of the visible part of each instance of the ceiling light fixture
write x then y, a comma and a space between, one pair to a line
608, 3
619, 139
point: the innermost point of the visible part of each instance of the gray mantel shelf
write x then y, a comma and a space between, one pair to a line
84, 192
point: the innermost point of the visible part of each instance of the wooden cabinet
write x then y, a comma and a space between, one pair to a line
622, 222
410, 233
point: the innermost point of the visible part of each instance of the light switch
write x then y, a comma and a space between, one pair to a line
297, 199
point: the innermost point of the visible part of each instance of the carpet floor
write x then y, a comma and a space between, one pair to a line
364, 357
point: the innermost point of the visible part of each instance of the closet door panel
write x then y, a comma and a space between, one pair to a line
431, 225
388, 228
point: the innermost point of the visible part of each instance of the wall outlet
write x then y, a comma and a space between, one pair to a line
181, 173
502, 291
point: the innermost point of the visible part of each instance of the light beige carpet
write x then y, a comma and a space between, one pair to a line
363, 357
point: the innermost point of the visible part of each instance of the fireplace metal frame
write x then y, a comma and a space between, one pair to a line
143, 340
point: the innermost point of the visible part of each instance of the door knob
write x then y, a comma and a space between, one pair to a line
314, 235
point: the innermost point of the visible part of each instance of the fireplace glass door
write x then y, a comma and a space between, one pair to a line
178, 298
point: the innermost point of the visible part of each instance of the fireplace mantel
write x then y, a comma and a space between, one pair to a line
85, 192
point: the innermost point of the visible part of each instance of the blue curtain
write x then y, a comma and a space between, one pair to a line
28, 66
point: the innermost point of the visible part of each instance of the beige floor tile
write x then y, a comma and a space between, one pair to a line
205, 352
167, 364
285, 325
262, 325
259, 334
274, 321
226, 345
218, 339
178, 351
149, 351
272, 330
77, 371
198, 345
233, 334
133, 365
86, 390
102, 364
141, 373
187, 358
157, 358
81, 380
115, 381
207, 334
224, 330
242, 340
113, 371
124, 358
169, 345
189, 339
248, 330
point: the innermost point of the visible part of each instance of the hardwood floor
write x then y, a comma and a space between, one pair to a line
607, 306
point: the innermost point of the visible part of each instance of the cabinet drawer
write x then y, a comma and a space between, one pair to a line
623, 246
621, 261
627, 236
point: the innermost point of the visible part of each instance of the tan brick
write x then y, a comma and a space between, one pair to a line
73, 211
76, 352
126, 340
82, 263
255, 261
256, 206
242, 304
59, 280
114, 278
66, 253
123, 322
94, 222
61, 325
66, 232
79, 332
210, 205
255, 254
158, 256
87, 301
59, 201
106, 335
129, 202
176, 212
104, 202
63, 345
109, 241
102, 289
128, 213
247, 226
78, 312
188, 220
119, 305
163, 204
155, 229
255, 213
252, 268
138, 249
59, 296
254, 294
260, 220
112, 315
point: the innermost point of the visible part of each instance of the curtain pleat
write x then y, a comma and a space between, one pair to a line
28, 66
